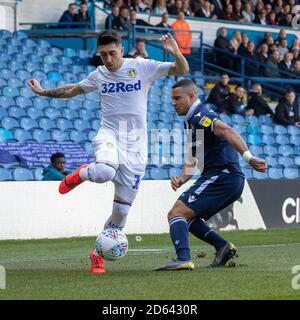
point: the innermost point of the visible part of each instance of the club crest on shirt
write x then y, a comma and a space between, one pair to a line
110, 145
205, 122
132, 73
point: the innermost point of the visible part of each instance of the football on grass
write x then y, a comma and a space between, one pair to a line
112, 244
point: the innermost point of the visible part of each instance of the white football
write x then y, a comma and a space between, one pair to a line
112, 244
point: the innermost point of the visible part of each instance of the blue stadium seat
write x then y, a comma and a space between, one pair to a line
75, 69
253, 129
248, 172
10, 92
39, 75
86, 114
81, 125
5, 135
267, 129
9, 123
286, 161
3, 82
282, 139
69, 52
41, 102
268, 139
28, 124
256, 150
264, 119
271, 161
64, 124
26, 51
15, 82
5, 175
260, 175
22, 174
240, 128
5, 101
293, 130
54, 76
27, 92
41, 135
52, 113
285, 150
93, 96
291, 173
43, 44
47, 67
23, 102
175, 171
74, 104
16, 112
226, 118
47, 124
96, 124
70, 77
18, 57
11, 49
275, 173
5, 57
252, 119
79, 137
5, 34
32, 66
59, 135
22, 135
16, 65
254, 139
38, 173
35, 113
237, 118
58, 103
47, 84
65, 61
297, 160
279, 129
159, 174
55, 51
92, 134
3, 113
23, 75
270, 150
89, 69
295, 140
29, 43
70, 114
88, 146
34, 61
41, 52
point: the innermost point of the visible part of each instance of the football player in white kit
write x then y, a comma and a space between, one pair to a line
121, 142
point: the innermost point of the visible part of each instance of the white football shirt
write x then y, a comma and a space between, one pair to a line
124, 96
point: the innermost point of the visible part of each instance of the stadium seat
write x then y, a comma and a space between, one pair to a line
291, 173
22, 174
32, 66
293, 130
295, 140
225, 118
16, 65
260, 175
54, 76
81, 125
7, 74
47, 84
175, 171
254, 139
96, 124
3, 113
10, 92
27, 51
89, 69
240, 128
47, 67
9, 123
27, 92
64, 124
65, 61
247, 172
271, 161
46, 124
70, 114
282, 139
86, 114
58, 103
93, 96
253, 129
5, 34
59, 135
264, 119
159, 174
5, 101
275, 173
41, 102
237, 118
286, 150
16, 112
29, 43
279, 129
285, 161
22, 135
77, 136
52, 113
266, 129
297, 160
23, 102
76, 69
5, 135
23, 75
14, 82
43, 44
55, 52
39, 75
88, 146
5, 175
74, 104
69, 52
38, 173
270, 150
92, 134
268, 139
35, 113
3, 82
41, 135
20, 35
256, 150
28, 124
70, 77
252, 119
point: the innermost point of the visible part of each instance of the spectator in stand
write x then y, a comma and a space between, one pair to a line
68, 16
186, 8
278, 6
281, 35
220, 92
262, 57
139, 51
184, 39
205, 11
272, 19
176, 8
282, 16
296, 72
288, 22
295, 52
269, 9
268, 39
228, 14
286, 64
82, 17
244, 44
218, 6
261, 18
113, 20
236, 41
138, 22
160, 7
56, 170
119, 3
251, 68
257, 104
222, 42
258, 7
247, 13
272, 67
124, 17
234, 103
295, 44
237, 9
283, 48
140, 6
287, 111
164, 21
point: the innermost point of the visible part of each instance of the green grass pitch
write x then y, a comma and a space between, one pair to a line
59, 269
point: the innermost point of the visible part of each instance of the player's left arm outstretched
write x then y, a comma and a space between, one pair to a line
180, 66
221, 129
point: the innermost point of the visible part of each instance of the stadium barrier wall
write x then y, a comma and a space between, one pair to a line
33, 210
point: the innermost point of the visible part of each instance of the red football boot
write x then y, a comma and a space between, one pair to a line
71, 181
97, 264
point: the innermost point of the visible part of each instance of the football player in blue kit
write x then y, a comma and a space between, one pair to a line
221, 182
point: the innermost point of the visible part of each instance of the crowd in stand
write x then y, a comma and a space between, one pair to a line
72, 18
285, 113
276, 59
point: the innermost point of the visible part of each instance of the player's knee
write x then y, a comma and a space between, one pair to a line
174, 213
103, 173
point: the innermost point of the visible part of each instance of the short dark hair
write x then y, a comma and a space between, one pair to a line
108, 37
184, 83
289, 91
56, 156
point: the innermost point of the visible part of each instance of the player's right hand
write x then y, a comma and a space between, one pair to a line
176, 182
35, 86
259, 165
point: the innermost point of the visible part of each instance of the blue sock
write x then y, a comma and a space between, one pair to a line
179, 232
202, 231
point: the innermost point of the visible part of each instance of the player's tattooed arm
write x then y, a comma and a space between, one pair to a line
66, 91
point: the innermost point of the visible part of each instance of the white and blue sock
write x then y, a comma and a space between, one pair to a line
179, 232
119, 215
202, 231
